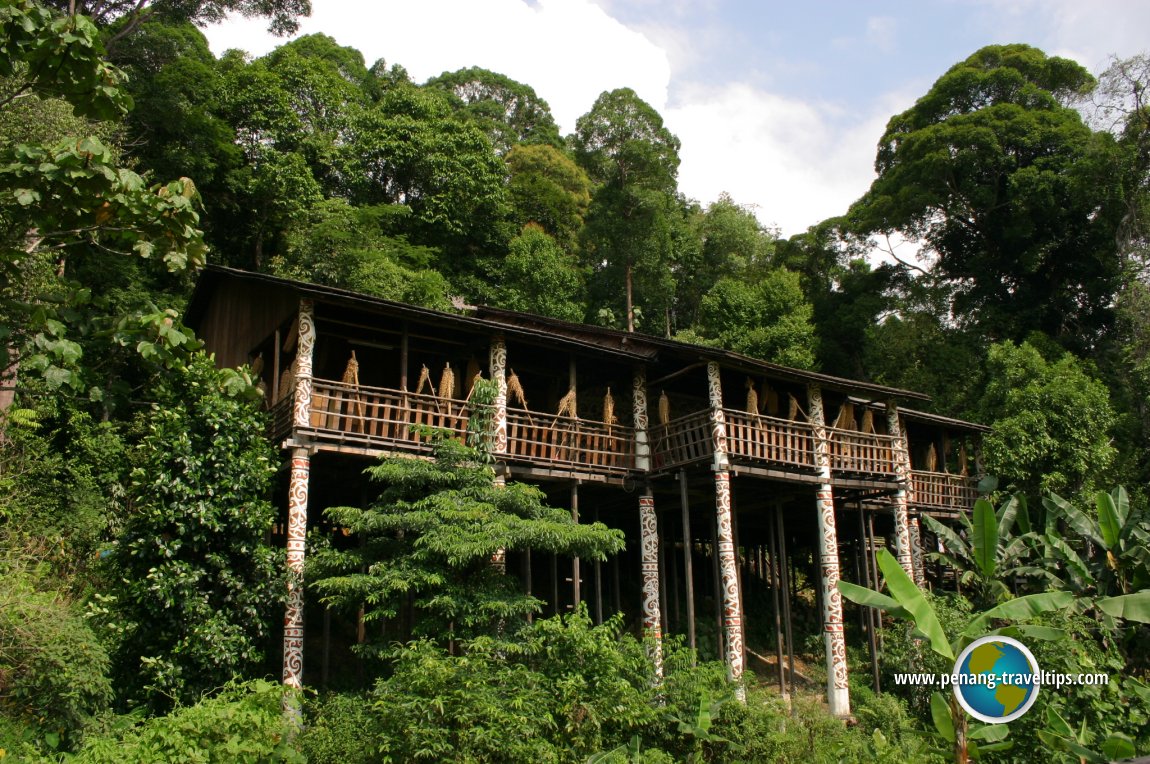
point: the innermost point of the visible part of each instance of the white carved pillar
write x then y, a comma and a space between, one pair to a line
296, 543
838, 694
916, 551
639, 404
498, 366
301, 411
649, 545
728, 563
899, 500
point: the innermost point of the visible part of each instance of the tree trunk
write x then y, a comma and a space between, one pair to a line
961, 755
630, 305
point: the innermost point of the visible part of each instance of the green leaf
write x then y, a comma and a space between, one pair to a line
1020, 608
904, 590
860, 595
1108, 523
1129, 607
1118, 746
985, 539
1121, 504
990, 733
1057, 724
940, 715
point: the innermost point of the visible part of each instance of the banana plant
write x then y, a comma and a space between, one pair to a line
907, 601
1108, 551
1059, 735
989, 553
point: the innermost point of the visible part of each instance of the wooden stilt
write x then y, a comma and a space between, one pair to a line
674, 621
867, 612
576, 591
738, 578
663, 611
772, 533
785, 585
598, 584
688, 566
716, 590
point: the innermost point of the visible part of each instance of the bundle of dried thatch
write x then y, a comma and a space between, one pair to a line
424, 379
772, 398
752, 397
447, 383
609, 410
351, 378
963, 468
868, 422
931, 459
515, 390
568, 405
846, 418
793, 409
664, 407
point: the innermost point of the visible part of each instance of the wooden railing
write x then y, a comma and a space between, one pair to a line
281, 418
682, 441
767, 439
942, 491
375, 415
566, 441
862, 453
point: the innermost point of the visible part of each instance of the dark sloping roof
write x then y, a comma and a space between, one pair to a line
635, 346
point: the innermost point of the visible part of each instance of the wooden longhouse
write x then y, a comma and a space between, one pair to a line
718, 467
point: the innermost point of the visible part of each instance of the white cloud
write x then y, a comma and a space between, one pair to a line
796, 162
570, 51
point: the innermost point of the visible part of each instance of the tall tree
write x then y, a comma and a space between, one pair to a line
1012, 195
509, 112
548, 189
634, 160
127, 15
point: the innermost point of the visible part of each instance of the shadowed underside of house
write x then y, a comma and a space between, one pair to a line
731, 477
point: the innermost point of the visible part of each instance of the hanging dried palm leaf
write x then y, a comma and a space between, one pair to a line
424, 378
515, 390
664, 407
931, 459
568, 405
793, 409
752, 398
447, 383
963, 467
868, 422
609, 410
772, 401
258, 365
846, 418
287, 383
357, 409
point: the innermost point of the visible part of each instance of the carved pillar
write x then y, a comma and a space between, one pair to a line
718, 418
498, 366
639, 400
649, 544
899, 501
728, 563
301, 411
916, 551
838, 694
296, 542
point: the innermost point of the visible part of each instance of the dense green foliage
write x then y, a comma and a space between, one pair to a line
431, 537
191, 580
137, 476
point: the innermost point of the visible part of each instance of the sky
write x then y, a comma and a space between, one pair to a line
778, 103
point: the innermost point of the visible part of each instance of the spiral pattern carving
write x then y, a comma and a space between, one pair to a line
296, 545
899, 501
718, 418
303, 362
639, 409
832, 600
649, 545
499, 374
916, 551
729, 576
